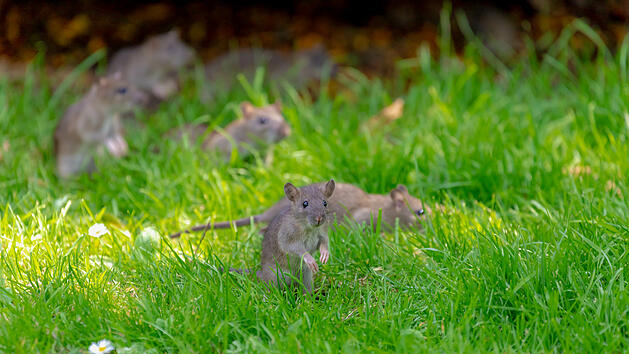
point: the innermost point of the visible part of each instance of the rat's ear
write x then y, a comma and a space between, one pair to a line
117, 75
292, 193
278, 106
247, 109
402, 188
102, 81
328, 189
398, 197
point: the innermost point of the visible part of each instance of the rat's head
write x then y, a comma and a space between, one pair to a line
117, 94
408, 209
310, 203
170, 51
264, 124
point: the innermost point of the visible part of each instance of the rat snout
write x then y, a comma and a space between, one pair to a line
317, 220
139, 97
320, 219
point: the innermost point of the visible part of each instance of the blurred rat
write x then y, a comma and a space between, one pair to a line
298, 69
153, 65
257, 127
349, 203
93, 124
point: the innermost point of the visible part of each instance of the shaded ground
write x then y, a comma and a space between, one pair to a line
369, 36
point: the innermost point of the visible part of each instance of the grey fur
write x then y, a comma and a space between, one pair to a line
294, 234
297, 68
93, 124
258, 127
153, 65
349, 203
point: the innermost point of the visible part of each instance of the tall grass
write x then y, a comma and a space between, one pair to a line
529, 254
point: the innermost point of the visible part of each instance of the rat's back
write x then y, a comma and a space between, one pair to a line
296, 68
121, 60
66, 134
271, 251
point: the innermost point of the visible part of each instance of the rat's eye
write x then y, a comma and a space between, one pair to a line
121, 90
325, 204
305, 203
263, 120
419, 212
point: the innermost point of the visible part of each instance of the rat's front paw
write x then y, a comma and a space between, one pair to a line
123, 147
117, 146
325, 255
311, 262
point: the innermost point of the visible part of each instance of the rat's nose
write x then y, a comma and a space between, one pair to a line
319, 218
140, 98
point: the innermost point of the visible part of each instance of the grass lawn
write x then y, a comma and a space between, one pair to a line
530, 254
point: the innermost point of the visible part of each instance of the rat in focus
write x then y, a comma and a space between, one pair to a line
93, 124
153, 65
258, 126
348, 203
294, 234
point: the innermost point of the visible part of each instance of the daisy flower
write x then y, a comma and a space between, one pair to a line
103, 346
97, 230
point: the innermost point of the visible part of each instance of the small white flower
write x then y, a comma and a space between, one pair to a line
36, 237
97, 230
103, 346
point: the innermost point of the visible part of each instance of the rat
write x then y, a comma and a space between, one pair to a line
348, 203
258, 126
295, 233
153, 65
93, 124
298, 68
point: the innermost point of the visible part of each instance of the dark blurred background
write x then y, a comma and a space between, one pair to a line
370, 35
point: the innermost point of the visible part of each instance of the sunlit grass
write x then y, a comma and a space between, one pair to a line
529, 253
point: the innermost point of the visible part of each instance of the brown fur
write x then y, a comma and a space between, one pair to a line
93, 124
153, 66
349, 203
259, 126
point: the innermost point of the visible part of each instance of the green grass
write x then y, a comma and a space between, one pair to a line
526, 256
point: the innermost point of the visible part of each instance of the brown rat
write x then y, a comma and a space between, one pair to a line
348, 203
153, 65
93, 124
257, 127
297, 68
295, 233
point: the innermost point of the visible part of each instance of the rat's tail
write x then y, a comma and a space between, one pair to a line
219, 225
239, 270
265, 217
